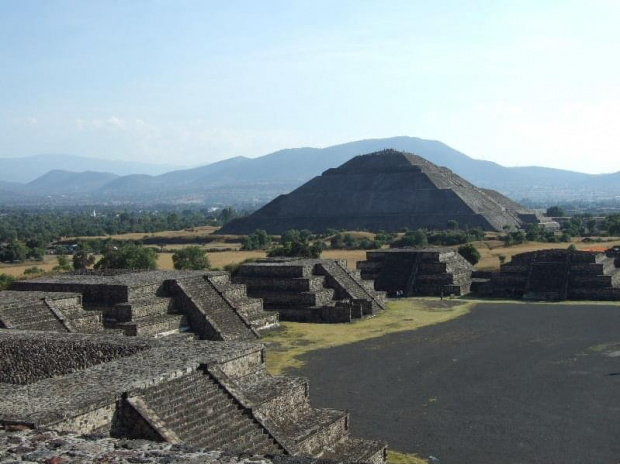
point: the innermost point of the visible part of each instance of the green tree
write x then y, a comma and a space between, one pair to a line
191, 258
452, 224
130, 256
259, 240
555, 211
63, 264
470, 253
81, 260
417, 238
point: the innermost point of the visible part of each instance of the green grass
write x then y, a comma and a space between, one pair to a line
286, 348
394, 457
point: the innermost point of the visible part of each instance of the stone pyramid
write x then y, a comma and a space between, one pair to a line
387, 190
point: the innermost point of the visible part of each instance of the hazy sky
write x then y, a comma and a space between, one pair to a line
190, 82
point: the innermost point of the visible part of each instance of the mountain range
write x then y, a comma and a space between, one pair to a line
26, 169
245, 181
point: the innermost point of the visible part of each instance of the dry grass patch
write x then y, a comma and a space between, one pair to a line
285, 348
490, 250
17, 270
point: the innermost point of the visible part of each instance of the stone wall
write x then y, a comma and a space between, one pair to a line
26, 359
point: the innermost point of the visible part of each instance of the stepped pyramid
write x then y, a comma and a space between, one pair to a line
148, 303
387, 190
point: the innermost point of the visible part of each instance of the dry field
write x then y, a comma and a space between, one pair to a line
490, 250
193, 232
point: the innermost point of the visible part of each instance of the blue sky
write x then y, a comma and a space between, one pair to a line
191, 82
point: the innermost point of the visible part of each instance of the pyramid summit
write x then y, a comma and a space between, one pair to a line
387, 190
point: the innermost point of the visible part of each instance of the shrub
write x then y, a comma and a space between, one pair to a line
6, 281
470, 253
191, 258
130, 256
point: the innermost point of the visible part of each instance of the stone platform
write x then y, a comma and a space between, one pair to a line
557, 274
149, 303
310, 290
417, 271
212, 395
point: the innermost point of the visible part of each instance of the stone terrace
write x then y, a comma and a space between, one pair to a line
417, 272
310, 290
557, 274
155, 303
215, 395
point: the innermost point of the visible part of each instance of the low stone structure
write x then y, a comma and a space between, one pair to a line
47, 311
417, 271
310, 290
149, 303
557, 274
212, 395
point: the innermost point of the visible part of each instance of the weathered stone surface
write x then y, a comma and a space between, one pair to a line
556, 274
310, 290
387, 190
417, 272
52, 447
146, 303
216, 395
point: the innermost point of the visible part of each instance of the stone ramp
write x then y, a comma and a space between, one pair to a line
282, 405
210, 313
201, 413
350, 286
251, 310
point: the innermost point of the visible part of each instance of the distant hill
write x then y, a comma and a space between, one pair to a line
250, 182
65, 182
26, 169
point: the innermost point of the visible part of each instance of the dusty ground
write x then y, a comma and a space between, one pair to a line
527, 383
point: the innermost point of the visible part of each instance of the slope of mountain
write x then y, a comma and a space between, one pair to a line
252, 181
65, 182
26, 169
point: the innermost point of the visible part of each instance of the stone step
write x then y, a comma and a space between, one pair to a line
297, 284
358, 450
206, 297
219, 279
232, 291
143, 307
203, 414
313, 431
272, 300
154, 325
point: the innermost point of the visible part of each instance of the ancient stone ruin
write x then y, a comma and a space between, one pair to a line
387, 190
417, 272
556, 275
310, 290
211, 395
150, 303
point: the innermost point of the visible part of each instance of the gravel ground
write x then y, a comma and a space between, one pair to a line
508, 383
